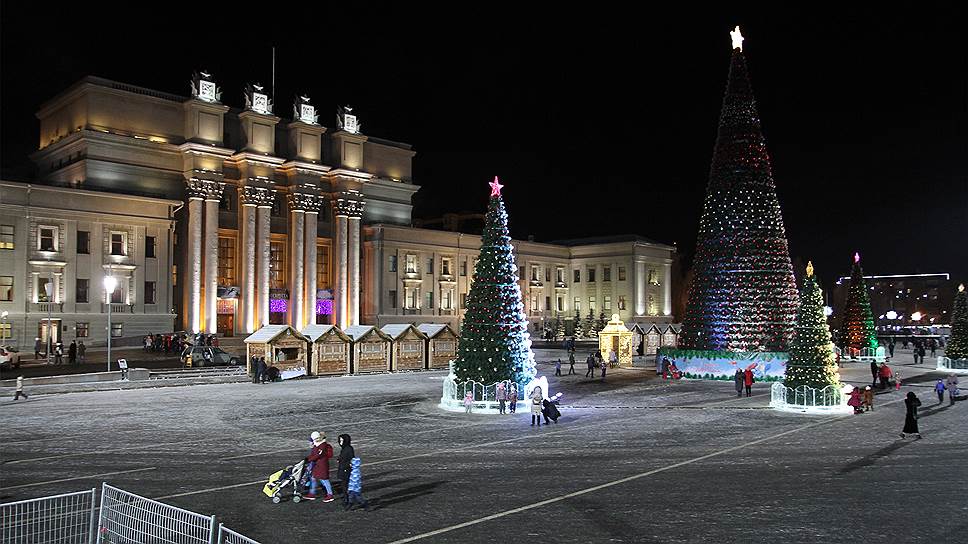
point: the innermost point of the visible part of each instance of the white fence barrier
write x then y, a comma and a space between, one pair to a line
60, 519
864, 355
957, 366
228, 536
126, 517
808, 400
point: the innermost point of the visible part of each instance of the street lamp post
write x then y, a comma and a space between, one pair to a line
49, 288
110, 283
5, 314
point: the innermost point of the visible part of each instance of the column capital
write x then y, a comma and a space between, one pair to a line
304, 202
260, 197
205, 189
348, 204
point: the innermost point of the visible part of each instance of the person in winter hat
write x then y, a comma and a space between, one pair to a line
939, 389
512, 397
738, 381
20, 389
748, 382
537, 404
320, 455
854, 401
346, 454
468, 402
868, 397
354, 488
501, 396
911, 402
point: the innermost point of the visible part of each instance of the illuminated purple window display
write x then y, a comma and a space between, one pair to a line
278, 305
324, 306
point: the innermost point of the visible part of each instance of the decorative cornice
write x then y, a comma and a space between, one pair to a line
261, 197
204, 189
348, 204
305, 202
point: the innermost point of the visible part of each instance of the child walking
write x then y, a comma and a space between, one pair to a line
20, 389
468, 402
354, 488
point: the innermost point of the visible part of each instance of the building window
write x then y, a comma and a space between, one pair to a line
621, 273
118, 243
226, 261
606, 273
322, 267
392, 264
6, 237
82, 330
591, 275
577, 304
535, 273
561, 304
463, 267
117, 297
547, 273
463, 300
430, 300
42, 289
430, 268
577, 278
547, 303
225, 203
653, 277
411, 264
392, 295
276, 207
174, 275
607, 302
150, 247
445, 267
83, 242
534, 303
47, 238
591, 303
560, 274
6, 288
277, 265
447, 299
621, 302
81, 290
117, 329
6, 331
149, 292
412, 298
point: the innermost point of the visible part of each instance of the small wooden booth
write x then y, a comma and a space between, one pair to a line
282, 346
670, 336
329, 350
409, 346
371, 349
638, 338
615, 336
441, 344
653, 339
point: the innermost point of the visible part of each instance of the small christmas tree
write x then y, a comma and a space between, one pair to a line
957, 347
559, 327
579, 332
601, 323
494, 340
590, 331
857, 330
812, 361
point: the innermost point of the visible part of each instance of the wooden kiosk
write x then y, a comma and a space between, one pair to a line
670, 336
282, 346
653, 339
638, 337
618, 338
409, 347
329, 350
371, 349
441, 344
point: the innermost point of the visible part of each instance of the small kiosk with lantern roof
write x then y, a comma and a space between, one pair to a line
615, 336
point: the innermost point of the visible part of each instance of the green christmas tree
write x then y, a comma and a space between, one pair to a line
743, 296
590, 331
579, 332
812, 361
559, 330
495, 344
957, 347
601, 323
857, 331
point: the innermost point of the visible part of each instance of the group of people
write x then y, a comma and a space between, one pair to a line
168, 343
882, 376
861, 401
744, 378
506, 395
951, 386
348, 475
262, 372
76, 352
668, 369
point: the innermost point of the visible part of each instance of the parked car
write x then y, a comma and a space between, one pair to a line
207, 356
9, 358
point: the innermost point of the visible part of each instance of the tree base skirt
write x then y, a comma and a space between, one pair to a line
722, 365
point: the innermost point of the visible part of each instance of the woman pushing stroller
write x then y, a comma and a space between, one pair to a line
319, 455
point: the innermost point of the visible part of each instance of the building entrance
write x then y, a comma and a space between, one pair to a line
54, 328
225, 324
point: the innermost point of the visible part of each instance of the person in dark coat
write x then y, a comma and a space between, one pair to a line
346, 454
550, 411
319, 455
874, 373
911, 402
72, 353
739, 380
748, 382
571, 362
590, 362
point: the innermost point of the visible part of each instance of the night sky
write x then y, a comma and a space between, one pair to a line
597, 123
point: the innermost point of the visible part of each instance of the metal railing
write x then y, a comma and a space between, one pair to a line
228, 536
126, 517
830, 399
947, 363
59, 519
866, 355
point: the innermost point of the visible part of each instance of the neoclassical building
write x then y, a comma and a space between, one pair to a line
255, 219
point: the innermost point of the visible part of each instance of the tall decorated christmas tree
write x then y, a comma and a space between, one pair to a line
957, 347
857, 330
812, 361
494, 343
743, 296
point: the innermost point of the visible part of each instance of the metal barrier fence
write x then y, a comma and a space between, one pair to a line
960, 366
228, 536
803, 399
126, 517
59, 519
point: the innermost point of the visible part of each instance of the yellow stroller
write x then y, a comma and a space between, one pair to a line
291, 475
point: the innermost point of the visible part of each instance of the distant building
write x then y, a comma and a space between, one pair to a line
900, 296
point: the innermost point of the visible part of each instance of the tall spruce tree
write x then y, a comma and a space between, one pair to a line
559, 331
495, 344
590, 331
957, 347
812, 361
579, 332
857, 330
743, 295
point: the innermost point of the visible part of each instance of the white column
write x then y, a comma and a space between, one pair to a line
56, 288
194, 272
296, 283
639, 288
211, 265
341, 283
249, 250
262, 255
353, 269
310, 259
667, 289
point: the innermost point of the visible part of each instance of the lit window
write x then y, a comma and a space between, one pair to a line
6, 237
82, 288
621, 273
322, 267
412, 298
578, 304
411, 264
226, 261
277, 265
6, 288
607, 302
392, 264
447, 299
117, 329
653, 277
591, 303
42, 289
607, 273
82, 330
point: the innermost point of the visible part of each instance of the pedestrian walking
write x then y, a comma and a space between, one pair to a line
604, 367
739, 379
612, 358
921, 353
468, 402
571, 362
72, 353
748, 382
536, 405
854, 401
934, 347
346, 455
897, 380
890, 347
37, 345
911, 402
939, 389
354, 488
868, 398
123, 366
952, 386
590, 361
59, 354
558, 367
513, 397
875, 372
884, 374
319, 455
254, 363
81, 352
20, 389
501, 395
